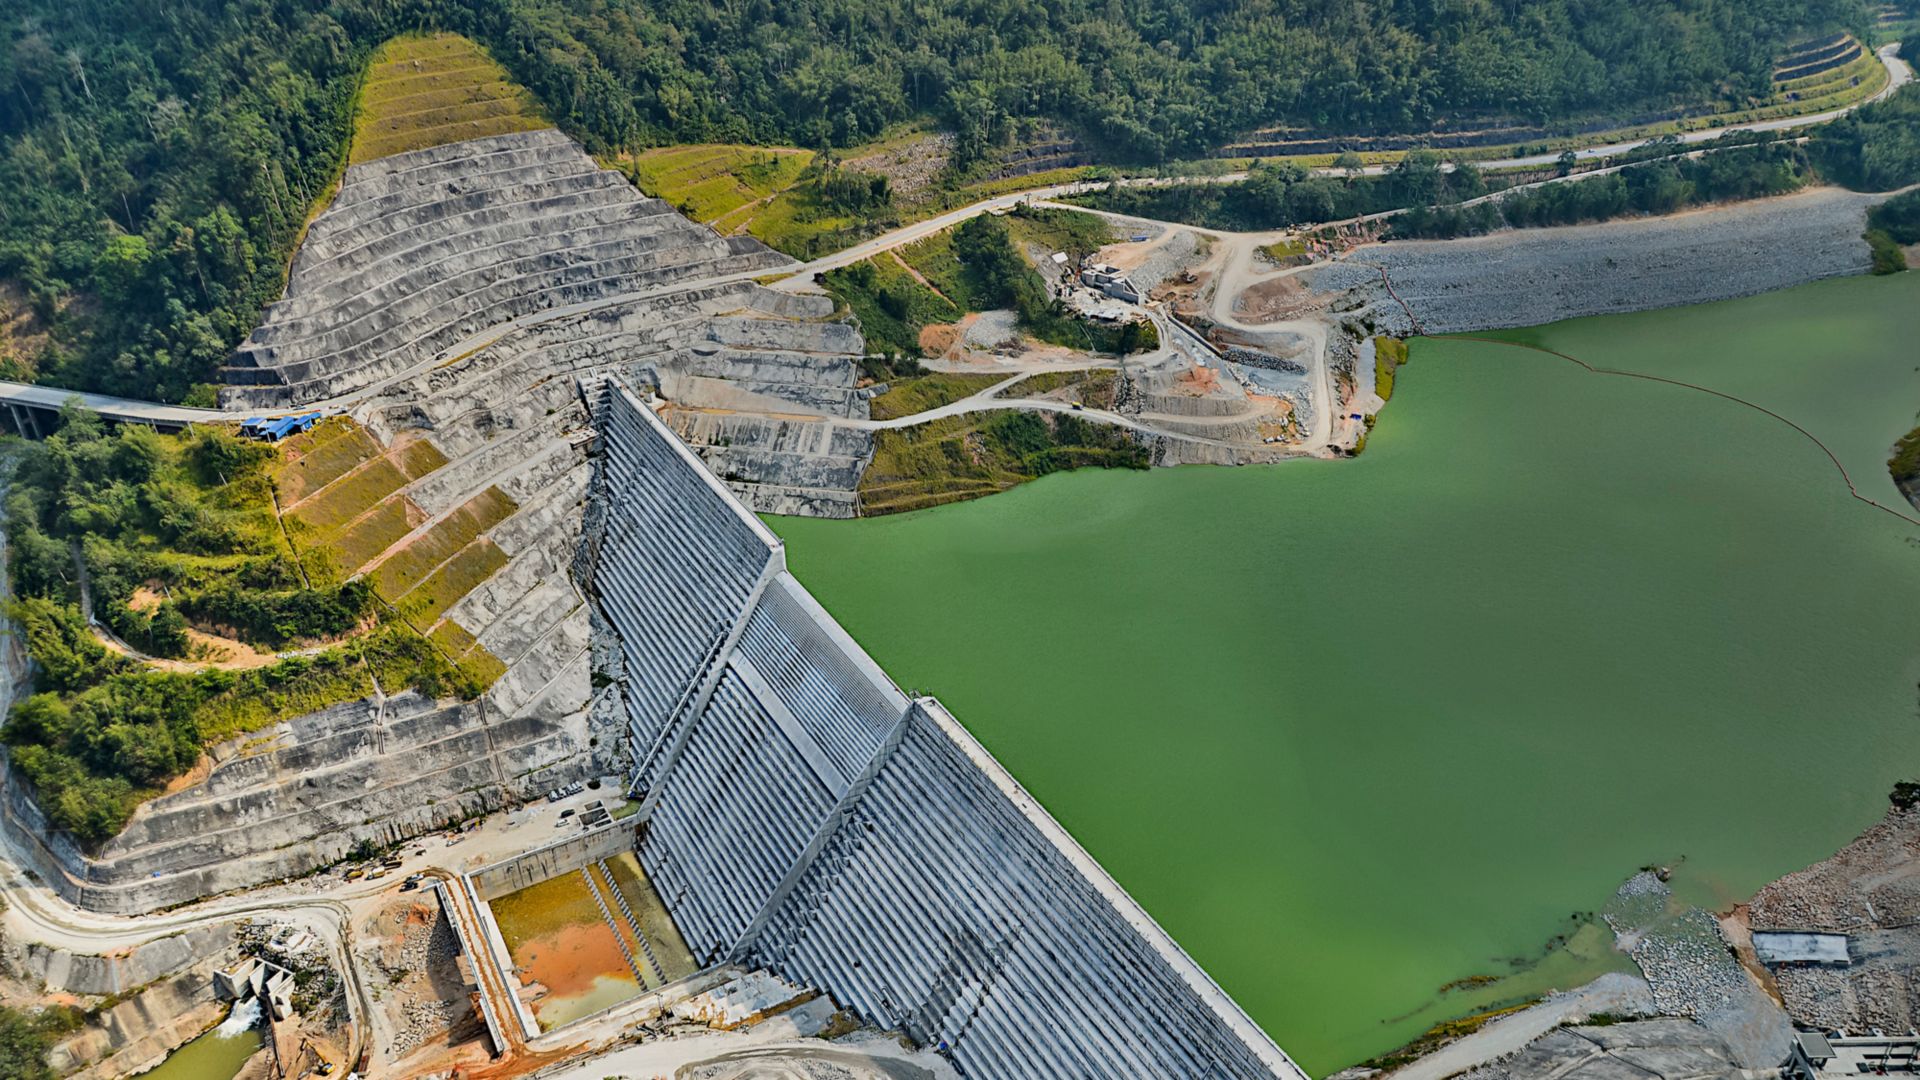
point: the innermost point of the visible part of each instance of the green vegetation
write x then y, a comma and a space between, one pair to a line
936, 260
1142, 82
718, 184
977, 267
1091, 386
965, 457
929, 391
1898, 217
999, 277
155, 172
892, 306
1388, 354
829, 208
163, 532
426, 602
1904, 465
1890, 226
24, 1044
1077, 234
1888, 258
1280, 193
1874, 148
321, 456
1291, 252
1660, 186
171, 535
426, 90
347, 498
342, 496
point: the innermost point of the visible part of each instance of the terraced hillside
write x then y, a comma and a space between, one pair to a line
722, 186
430, 90
424, 249
454, 482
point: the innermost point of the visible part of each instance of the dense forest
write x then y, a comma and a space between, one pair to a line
157, 157
1279, 194
1875, 148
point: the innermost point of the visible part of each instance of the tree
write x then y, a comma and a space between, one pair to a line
24, 1046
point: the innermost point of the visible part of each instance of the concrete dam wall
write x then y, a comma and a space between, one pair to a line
802, 813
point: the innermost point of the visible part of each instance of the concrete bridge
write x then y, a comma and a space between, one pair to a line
32, 410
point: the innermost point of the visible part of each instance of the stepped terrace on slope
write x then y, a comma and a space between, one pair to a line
422, 250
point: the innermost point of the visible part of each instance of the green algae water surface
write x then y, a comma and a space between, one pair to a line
1354, 730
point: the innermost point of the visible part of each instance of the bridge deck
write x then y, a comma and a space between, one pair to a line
125, 410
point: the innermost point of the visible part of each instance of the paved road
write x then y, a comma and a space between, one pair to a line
114, 408
1899, 74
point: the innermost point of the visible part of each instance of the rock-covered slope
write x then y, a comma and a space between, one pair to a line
569, 275
423, 249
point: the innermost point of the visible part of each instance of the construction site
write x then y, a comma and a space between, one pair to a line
536, 411
687, 826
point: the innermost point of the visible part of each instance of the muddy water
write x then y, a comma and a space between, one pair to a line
1355, 730
558, 940
217, 1055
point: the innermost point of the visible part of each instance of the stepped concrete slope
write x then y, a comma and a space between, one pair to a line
424, 253
803, 814
423, 249
420, 249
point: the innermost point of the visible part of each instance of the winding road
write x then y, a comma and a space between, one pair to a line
34, 912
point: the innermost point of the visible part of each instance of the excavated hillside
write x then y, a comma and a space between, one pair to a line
450, 302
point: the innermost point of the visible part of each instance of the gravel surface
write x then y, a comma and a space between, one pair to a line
1526, 277
1870, 891
428, 995
1666, 1049
1179, 252
994, 328
1693, 973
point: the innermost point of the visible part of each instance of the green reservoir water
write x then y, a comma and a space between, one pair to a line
212, 1056
1352, 730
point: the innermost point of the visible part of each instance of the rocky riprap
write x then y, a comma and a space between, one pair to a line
1529, 277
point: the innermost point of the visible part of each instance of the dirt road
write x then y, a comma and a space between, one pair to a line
1613, 992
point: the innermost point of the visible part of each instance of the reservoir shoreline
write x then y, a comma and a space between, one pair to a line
1602, 607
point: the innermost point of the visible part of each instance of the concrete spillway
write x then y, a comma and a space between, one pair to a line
803, 814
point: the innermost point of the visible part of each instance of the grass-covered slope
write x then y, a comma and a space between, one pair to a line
721, 185
207, 622
965, 457
425, 90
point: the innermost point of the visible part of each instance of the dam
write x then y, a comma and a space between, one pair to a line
797, 811
803, 814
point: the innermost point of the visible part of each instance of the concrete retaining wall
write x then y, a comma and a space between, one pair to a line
551, 861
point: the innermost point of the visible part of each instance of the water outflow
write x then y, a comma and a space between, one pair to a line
242, 1018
